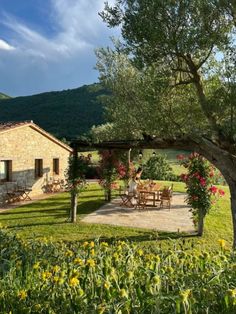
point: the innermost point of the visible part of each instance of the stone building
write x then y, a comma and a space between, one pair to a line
29, 156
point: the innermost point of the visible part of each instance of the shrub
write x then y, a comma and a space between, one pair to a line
158, 168
199, 187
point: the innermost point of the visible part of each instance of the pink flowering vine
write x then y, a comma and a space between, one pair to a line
201, 193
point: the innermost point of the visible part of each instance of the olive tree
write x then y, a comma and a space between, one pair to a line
173, 78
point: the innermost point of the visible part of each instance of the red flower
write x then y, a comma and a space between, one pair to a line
213, 189
221, 192
202, 181
184, 177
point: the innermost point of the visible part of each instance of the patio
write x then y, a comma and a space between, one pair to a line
177, 219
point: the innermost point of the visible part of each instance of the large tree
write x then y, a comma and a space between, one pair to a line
172, 77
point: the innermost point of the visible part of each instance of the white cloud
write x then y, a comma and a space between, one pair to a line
5, 46
62, 60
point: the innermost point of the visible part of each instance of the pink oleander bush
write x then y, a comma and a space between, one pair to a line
199, 179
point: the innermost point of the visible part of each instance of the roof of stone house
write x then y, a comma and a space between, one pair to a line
11, 125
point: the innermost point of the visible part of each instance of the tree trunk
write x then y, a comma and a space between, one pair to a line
74, 202
232, 188
109, 195
200, 222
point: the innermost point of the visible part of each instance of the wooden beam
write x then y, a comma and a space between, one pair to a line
164, 143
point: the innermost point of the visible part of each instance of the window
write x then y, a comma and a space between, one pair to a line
5, 170
38, 168
56, 166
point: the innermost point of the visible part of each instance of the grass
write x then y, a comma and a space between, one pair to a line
48, 218
147, 153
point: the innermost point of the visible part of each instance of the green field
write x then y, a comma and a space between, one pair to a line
48, 218
147, 153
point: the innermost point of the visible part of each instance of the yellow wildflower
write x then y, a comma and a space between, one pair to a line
91, 244
69, 253
36, 265
46, 275
106, 285
105, 244
85, 244
56, 268
78, 261
56, 279
22, 295
157, 258
156, 280
91, 262
123, 293
232, 293
73, 282
185, 294
222, 243
116, 256
140, 252
92, 252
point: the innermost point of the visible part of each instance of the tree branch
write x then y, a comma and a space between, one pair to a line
184, 82
205, 59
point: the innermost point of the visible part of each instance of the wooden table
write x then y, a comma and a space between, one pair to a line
153, 196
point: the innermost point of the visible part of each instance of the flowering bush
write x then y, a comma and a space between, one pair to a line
201, 193
107, 169
92, 277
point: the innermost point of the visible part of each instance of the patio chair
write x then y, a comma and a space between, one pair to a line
126, 198
12, 195
142, 200
166, 196
24, 190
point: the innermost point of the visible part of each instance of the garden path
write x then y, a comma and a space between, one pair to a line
177, 219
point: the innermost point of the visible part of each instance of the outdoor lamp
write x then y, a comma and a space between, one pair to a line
140, 154
154, 154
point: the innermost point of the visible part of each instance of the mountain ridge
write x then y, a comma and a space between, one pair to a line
66, 114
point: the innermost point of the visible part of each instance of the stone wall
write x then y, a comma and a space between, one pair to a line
23, 145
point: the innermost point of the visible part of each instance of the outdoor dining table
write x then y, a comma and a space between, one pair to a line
152, 193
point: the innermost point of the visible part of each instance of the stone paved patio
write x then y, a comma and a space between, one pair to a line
178, 219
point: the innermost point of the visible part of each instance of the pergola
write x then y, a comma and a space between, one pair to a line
151, 143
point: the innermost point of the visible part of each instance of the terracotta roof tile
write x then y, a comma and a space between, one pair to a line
13, 124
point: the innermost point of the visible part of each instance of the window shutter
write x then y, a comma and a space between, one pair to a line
9, 170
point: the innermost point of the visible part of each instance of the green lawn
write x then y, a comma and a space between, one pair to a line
48, 218
147, 153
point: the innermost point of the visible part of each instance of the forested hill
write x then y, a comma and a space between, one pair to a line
68, 113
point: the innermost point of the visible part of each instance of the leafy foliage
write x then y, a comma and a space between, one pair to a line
199, 185
93, 277
158, 168
68, 114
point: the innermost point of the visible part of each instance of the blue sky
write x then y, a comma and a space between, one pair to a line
49, 45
